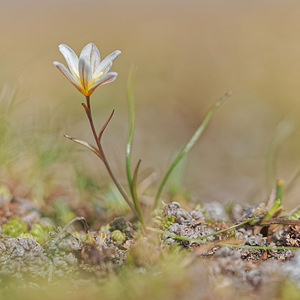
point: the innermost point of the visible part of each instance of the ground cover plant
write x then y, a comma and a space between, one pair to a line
159, 248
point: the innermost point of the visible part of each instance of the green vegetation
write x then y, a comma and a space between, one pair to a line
14, 227
151, 251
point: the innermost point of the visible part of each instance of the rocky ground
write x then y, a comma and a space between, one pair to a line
233, 262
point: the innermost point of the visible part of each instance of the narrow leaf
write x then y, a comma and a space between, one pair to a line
295, 213
85, 144
87, 110
105, 125
134, 189
130, 98
190, 144
228, 243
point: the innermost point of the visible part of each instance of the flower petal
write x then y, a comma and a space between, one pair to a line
92, 51
70, 57
84, 68
106, 64
107, 78
68, 75
95, 58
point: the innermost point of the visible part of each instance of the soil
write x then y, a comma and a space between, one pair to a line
94, 255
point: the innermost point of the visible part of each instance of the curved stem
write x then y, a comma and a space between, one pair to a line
104, 159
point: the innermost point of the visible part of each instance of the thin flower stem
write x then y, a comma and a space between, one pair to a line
104, 159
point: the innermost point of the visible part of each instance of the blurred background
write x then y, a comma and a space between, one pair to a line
188, 54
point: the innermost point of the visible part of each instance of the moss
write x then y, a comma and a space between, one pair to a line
26, 235
83, 237
105, 227
14, 227
118, 236
167, 221
40, 232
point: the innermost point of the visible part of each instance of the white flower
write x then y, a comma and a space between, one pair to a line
88, 71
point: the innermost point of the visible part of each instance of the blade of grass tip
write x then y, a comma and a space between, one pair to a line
130, 98
190, 144
135, 196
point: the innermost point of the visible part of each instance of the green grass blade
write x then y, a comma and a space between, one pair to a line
176, 180
130, 97
202, 237
220, 242
190, 144
135, 196
279, 190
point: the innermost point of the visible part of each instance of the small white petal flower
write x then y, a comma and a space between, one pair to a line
88, 71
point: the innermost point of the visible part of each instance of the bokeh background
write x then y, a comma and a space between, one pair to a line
188, 54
